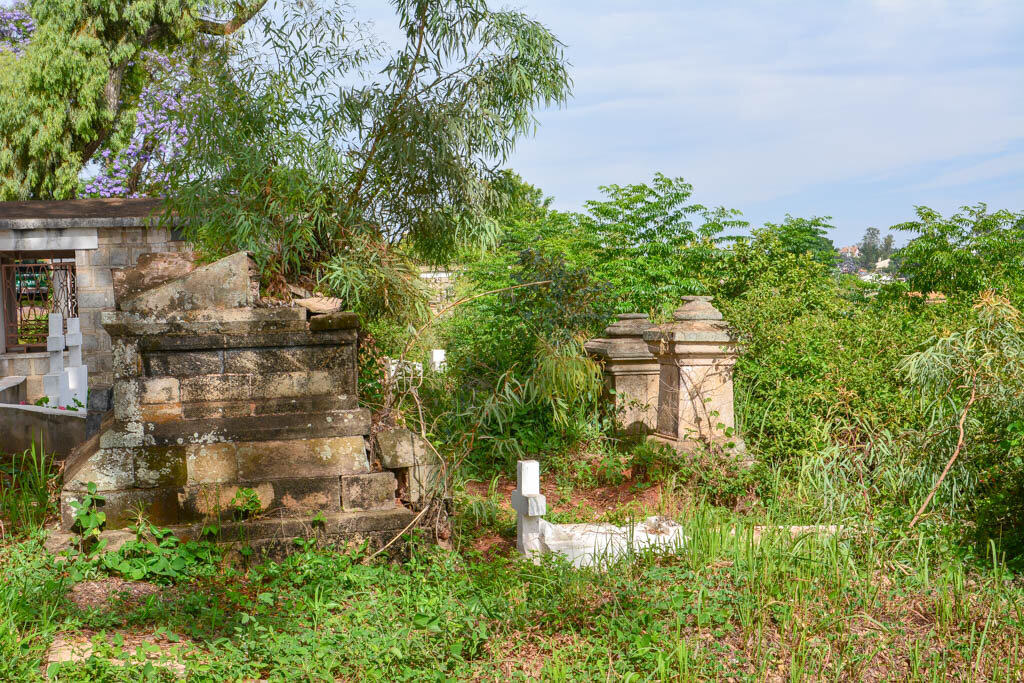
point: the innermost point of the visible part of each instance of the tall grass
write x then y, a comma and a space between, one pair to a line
26, 491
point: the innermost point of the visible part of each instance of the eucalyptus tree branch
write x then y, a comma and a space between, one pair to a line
956, 452
243, 13
378, 130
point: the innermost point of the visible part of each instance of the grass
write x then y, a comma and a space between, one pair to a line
28, 482
737, 603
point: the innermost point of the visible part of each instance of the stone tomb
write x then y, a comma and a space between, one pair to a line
582, 544
631, 372
214, 393
696, 354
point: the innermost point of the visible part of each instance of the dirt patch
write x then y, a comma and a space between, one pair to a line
121, 649
492, 545
102, 593
587, 504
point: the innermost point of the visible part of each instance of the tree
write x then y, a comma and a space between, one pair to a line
870, 248
805, 235
343, 177
965, 253
72, 88
888, 246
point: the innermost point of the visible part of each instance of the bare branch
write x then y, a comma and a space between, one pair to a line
243, 13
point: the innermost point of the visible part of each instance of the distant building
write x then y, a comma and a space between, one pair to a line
882, 265
852, 251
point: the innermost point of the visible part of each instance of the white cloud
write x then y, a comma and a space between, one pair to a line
762, 103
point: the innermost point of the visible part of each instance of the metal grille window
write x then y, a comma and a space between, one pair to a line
32, 288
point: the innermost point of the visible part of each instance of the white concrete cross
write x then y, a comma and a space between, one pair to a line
530, 506
77, 374
55, 382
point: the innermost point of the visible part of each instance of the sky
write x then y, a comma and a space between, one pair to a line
859, 110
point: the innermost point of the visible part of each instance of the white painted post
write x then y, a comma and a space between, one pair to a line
55, 382
438, 362
530, 506
77, 374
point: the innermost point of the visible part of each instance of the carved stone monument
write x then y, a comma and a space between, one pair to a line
630, 371
217, 396
696, 354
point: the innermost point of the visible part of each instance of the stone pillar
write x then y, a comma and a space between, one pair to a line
696, 354
630, 372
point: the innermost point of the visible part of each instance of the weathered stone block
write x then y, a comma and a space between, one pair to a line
308, 404
291, 384
223, 284
262, 427
214, 409
215, 388
108, 468
301, 458
214, 463
160, 466
290, 497
188, 364
341, 320
304, 496
159, 506
205, 501
399, 447
160, 412
126, 360
160, 390
122, 436
375, 491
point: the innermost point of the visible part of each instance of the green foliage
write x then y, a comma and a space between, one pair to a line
725, 606
246, 502
25, 490
158, 555
971, 384
76, 87
776, 256
650, 245
88, 520
346, 178
816, 353
799, 236
965, 253
644, 240
516, 358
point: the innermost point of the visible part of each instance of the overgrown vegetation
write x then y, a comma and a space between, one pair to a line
889, 416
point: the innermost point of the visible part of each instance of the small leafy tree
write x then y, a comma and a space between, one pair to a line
650, 244
965, 253
800, 236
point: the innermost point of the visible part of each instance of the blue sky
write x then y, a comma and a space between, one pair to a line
859, 110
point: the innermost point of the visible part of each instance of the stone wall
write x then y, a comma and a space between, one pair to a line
118, 247
214, 394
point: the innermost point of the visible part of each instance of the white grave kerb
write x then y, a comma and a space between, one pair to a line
530, 506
